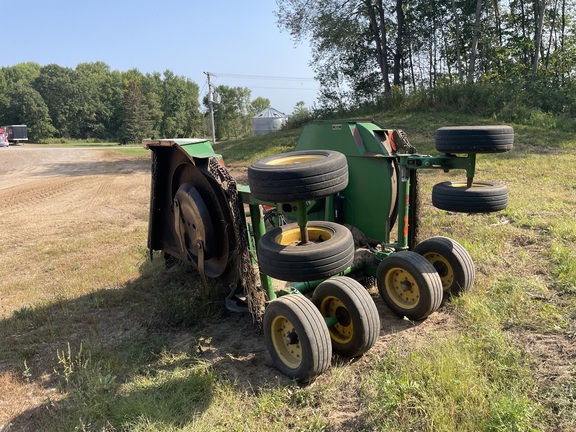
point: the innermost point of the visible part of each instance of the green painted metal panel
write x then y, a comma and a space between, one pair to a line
369, 196
350, 137
197, 148
374, 137
371, 190
332, 135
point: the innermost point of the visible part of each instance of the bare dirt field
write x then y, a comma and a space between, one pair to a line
55, 193
47, 194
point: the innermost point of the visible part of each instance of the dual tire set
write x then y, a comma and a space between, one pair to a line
481, 196
301, 334
341, 317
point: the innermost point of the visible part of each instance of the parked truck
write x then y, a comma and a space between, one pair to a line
16, 134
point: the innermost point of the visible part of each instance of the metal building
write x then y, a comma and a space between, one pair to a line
268, 120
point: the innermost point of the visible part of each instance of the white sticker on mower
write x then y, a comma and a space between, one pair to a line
336, 127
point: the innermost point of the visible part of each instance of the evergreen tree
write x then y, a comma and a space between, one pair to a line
135, 124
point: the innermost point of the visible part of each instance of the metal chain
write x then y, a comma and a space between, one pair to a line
248, 277
402, 143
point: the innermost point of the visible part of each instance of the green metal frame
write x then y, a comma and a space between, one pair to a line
415, 162
366, 145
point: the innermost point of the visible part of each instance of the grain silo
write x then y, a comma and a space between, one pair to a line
268, 120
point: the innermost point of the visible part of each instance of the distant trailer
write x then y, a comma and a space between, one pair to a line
17, 134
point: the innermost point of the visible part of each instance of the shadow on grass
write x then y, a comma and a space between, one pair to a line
129, 165
156, 349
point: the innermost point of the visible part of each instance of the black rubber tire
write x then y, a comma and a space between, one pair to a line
297, 337
329, 252
475, 139
452, 262
482, 197
358, 324
409, 285
298, 176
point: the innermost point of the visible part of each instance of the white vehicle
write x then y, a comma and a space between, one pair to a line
3, 139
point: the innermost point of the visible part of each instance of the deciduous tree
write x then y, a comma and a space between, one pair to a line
259, 104
232, 115
24, 105
59, 88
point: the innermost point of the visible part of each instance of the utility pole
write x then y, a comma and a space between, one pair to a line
211, 107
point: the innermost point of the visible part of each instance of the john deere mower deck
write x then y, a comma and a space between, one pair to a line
344, 177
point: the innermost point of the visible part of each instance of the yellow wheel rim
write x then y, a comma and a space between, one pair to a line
464, 185
342, 331
292, 237
296, 159
402, 288
286, 342
443, 268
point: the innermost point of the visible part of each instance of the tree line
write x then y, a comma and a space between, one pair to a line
364, 50
94, 102
489, 55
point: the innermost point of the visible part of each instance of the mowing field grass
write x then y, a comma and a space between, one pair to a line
101, 338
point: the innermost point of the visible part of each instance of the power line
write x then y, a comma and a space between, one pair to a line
264, 77
284, 88
289, 80
269, 78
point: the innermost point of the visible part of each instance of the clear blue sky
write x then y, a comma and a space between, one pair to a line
188, 37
